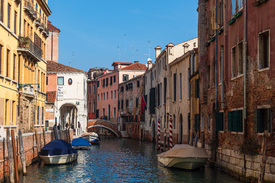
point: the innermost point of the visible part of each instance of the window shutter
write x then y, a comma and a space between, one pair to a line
197, 88
219, 121
256, 120
230, 121
238, 121
152, 101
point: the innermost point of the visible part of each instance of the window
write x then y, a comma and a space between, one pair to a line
101, 96
103, 83
137, 102
60, 80
219, 121
121, 104
6, 112
220, 14
121, 89
111, 94
70, 82
233, 65
235, 121
118, 105
240, 54
138, 83
15, 21
1, 10
180, 86
9, 16
93, 107
107, 81
264, 50
97, 83
263, 120
42, 115
174, 121
125, 77
14, 66
107, 95
115, 94
97, 97
175, 86
111, 80
193, 66
127, 103
8, 61
37, 115
94, 89
47, 80
114, 79
114, 112
208, 123
197, 86
197, 122
236, 6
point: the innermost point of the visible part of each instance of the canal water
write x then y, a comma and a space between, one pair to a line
120, 160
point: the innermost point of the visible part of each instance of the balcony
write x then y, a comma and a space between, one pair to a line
28, 89
27, 47
28, 7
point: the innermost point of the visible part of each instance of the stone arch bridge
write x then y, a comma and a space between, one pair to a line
103, 124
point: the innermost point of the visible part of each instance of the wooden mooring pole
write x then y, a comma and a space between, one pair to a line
22, 152
14, 149
264, 157
10, 155
36, 139
44, 136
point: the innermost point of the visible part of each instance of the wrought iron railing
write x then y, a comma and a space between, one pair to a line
27, 44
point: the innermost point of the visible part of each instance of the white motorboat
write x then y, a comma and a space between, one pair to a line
92, 137
184, 156
58, 152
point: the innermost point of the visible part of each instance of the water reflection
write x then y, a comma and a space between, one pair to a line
120, 160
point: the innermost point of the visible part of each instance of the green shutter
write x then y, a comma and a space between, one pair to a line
230, 121
219, 121
256, 120
237, 121
197, 122
260, 121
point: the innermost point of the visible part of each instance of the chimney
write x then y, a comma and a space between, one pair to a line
149, 63
158, 49
136, 61
170, 52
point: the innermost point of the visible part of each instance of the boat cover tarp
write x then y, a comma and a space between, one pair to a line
80, 142
184, 151
57, 147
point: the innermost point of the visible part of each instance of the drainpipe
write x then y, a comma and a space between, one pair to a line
216, 61
245, 70
222, 77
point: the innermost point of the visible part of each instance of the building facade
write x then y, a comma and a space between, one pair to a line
22, 64
162, 88
236, 61
130, 109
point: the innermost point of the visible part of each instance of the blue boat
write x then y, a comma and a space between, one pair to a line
58, 152
81, 143
92, 137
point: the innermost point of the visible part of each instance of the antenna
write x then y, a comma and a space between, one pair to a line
72, 61
148, 47
125, 41
118, 53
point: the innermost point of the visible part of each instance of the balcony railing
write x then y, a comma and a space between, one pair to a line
25, 44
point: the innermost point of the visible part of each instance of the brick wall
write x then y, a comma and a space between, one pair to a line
30, 148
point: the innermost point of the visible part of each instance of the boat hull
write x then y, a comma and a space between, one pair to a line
183, 163
81, 147
59, 159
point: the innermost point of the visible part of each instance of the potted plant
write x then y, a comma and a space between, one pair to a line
23, 41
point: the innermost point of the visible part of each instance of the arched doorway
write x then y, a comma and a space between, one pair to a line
68, 114
180, 129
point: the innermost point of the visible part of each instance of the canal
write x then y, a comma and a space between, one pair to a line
120, 160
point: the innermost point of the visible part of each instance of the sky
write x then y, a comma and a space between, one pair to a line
98, 33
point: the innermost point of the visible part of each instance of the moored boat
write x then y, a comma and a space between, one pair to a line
81, 143
58, 152
92, 137
184, 156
